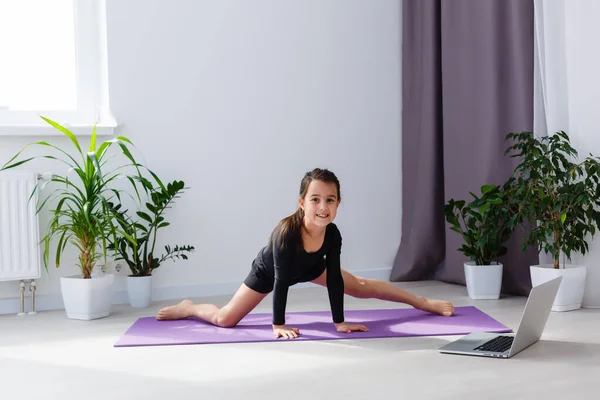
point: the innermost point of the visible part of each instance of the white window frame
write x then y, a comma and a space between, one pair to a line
92, 83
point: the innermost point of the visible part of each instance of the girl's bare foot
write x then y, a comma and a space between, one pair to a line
440, 307
179, 311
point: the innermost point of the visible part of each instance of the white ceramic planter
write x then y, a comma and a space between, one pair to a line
483, 281
87, 299
571, 290
139, 289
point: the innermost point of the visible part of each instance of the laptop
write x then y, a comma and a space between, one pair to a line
505, 345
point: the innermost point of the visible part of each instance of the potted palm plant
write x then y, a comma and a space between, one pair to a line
80, 215
485, 224
137, 244
559, 196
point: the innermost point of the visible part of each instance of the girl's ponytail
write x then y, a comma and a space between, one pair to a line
288, 229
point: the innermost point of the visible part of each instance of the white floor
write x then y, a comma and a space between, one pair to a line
48, 356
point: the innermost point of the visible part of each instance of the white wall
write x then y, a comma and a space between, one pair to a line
239, 99
567, 32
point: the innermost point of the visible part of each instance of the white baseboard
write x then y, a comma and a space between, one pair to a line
54, 301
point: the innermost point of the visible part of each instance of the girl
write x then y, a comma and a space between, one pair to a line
304, 247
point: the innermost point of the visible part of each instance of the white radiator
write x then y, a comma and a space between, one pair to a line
20, 257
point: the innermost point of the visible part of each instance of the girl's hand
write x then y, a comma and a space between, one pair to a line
346, 327
285, 332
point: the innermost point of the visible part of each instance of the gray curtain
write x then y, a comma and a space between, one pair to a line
467, 82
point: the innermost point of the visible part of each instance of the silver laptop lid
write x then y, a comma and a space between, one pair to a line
535, 315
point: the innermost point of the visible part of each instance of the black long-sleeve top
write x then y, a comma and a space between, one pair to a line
292, 264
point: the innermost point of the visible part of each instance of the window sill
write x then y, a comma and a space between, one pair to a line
47, 130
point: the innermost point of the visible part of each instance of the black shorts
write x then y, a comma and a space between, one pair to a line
259, 281
263, 283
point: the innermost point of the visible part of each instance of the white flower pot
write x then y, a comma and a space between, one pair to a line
139, 289
483, 281
572, 287
87, 299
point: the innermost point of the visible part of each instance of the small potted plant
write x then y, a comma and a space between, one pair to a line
137, 245
80, 215
559, 197
485, 224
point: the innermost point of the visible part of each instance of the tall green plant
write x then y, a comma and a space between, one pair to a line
556, 194
82, 215
139, 253
485, 224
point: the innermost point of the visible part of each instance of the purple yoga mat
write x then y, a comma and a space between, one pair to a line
383, 323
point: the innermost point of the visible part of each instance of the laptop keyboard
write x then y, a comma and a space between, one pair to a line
497, 344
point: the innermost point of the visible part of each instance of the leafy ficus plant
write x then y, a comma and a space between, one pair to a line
485, 224
557, 194
139, 253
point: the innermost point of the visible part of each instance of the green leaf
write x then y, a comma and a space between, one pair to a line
17, 163
93, 141
487, 188
141, 227
144, 216
563, 217
94, 160
162, 186
151, 207
484, 208
103, 148
67, 132
124, 139
126, 152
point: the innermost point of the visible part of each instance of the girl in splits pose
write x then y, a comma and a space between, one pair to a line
304, 247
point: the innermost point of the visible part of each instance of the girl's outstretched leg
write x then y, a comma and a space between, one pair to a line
375, 289
244, 301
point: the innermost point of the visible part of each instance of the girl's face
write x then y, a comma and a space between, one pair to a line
320, 203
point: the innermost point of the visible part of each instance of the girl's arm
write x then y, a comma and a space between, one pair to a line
282, 259
335, 282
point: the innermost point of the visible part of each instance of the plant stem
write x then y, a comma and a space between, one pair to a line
155, 224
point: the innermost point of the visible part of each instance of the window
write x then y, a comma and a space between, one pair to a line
53, 64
